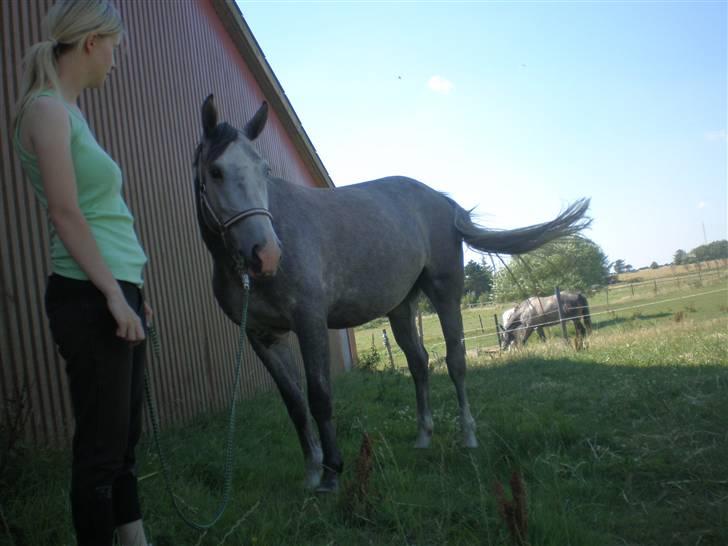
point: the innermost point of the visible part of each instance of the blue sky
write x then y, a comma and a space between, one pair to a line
518, 108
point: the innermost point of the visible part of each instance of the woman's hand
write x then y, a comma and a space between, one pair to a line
128, 322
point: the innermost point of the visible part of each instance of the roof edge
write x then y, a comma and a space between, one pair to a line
234, 22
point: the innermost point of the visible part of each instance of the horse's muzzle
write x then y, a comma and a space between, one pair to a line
268, 259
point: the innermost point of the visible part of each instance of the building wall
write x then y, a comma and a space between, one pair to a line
147, 117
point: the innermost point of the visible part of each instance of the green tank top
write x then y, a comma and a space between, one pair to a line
98, 183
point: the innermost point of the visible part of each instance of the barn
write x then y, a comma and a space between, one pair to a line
147, 117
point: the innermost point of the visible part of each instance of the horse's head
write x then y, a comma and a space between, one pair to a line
511, 323
232, 190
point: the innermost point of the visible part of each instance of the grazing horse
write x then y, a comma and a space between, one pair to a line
337, 258
505, 317
537, 312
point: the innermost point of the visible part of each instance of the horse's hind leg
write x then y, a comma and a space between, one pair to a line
402, 320
276, 357
445, 297
580, 334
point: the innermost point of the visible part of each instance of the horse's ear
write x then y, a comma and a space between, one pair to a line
209, 116
255, 126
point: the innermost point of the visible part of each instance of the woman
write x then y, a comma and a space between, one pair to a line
93, 297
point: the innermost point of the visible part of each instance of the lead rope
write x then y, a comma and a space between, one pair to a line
228, 471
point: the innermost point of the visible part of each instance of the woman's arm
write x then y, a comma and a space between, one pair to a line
48, 129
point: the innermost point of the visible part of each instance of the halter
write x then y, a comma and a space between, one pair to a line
222, 227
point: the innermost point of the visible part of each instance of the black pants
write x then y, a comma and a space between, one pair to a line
106, 379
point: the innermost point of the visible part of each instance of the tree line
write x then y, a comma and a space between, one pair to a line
573, 263
717, 250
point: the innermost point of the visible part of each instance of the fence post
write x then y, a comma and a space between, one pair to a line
497, 331
655, 281
607, 296
388, 347
481, 323
560, 307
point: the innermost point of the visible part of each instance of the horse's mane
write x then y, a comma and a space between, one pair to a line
221, 136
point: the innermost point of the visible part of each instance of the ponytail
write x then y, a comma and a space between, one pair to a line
41, 72
68, 22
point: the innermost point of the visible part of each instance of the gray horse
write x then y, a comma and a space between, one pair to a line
537, 312
338, 258
507, 314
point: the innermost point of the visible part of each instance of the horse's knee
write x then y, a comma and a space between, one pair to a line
320, 406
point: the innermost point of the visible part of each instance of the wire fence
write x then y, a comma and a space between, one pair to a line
657, 285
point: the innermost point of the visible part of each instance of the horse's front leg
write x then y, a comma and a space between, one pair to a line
527, 333
313, 338
276, 357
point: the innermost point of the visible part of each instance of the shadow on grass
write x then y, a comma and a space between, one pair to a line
614, 321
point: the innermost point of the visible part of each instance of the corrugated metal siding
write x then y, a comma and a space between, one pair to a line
147, 118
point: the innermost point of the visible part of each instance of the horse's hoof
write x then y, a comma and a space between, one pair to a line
312, 481
423, 443
329, 482
470, 441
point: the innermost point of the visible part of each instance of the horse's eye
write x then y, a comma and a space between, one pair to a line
215, 172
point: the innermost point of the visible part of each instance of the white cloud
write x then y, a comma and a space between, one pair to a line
440, 85
701, 205
713, 136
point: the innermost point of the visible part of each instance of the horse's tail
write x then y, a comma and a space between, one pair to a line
584, 310
520, 240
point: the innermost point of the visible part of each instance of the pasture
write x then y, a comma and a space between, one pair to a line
623, 443
651, 301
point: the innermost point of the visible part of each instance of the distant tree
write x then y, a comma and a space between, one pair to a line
680, 257
654, 265
478, 279
618, 266
571, 263
717, 250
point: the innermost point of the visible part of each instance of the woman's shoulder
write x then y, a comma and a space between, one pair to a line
44, 125
46, 109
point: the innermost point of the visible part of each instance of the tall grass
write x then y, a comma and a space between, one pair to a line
623, 443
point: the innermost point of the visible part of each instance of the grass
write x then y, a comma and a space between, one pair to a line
645, 308
623, 443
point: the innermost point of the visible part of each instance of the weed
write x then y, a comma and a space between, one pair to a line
355, 500
513, 512
679, 316
369, 360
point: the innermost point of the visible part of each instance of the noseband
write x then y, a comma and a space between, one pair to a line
223, 226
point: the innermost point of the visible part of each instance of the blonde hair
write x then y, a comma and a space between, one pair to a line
68, 23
